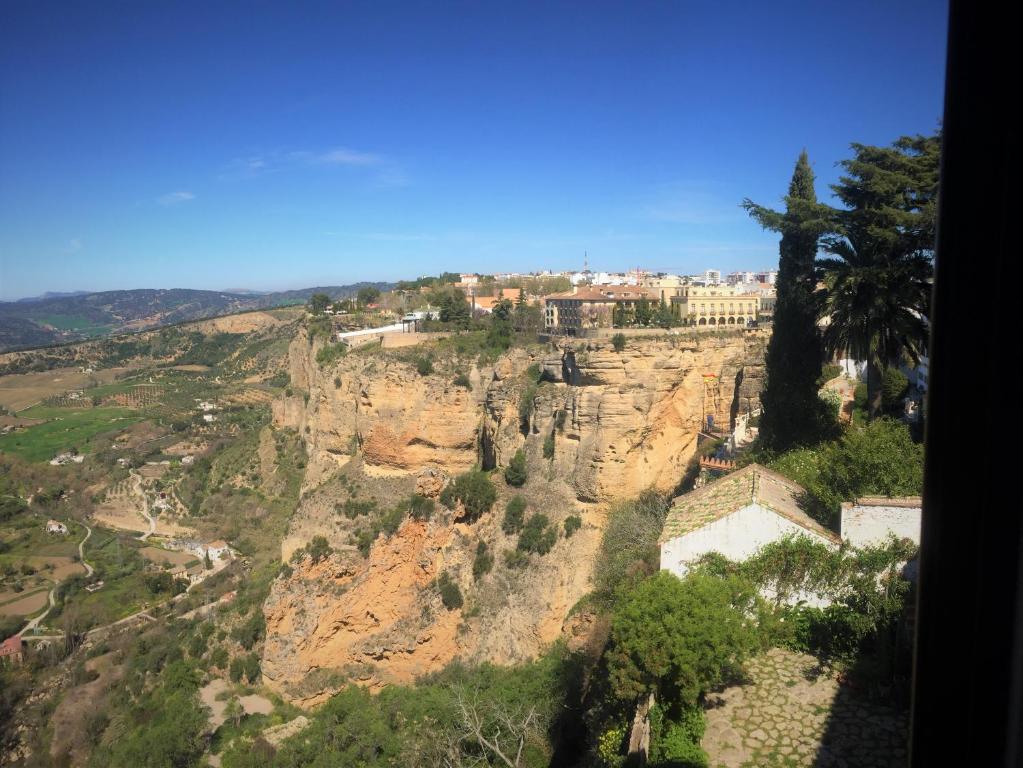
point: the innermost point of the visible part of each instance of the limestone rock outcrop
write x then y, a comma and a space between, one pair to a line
596, 426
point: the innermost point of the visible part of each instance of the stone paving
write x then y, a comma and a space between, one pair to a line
790, 714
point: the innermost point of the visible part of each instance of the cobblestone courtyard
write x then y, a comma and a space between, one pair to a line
788, 715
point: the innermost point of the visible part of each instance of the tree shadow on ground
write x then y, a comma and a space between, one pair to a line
868, 722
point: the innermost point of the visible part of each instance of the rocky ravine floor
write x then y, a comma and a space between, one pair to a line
788, 716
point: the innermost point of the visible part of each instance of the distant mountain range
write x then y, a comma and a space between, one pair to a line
57, 318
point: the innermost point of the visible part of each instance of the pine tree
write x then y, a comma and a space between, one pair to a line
793, 414
879, 270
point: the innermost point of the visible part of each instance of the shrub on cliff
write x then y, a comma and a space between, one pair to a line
516, 473
483, 562
461, 380
572, 524
628, 550
330, 354
424, 366
421, 507
618, 342
474, 490
538, 535
450, 594
514, 515
548, 446
317, 549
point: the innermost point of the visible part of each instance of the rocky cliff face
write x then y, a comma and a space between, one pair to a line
616, 422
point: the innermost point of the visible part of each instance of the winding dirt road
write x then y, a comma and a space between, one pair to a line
33, 623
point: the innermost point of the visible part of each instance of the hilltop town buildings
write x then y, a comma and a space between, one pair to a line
715, 305
595, 306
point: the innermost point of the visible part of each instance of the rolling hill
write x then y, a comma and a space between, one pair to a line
57, 319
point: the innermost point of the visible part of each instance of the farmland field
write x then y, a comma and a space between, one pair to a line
64, 428
78, 323
26, 605
22, 390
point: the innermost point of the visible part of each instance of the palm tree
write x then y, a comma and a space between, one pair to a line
875, 306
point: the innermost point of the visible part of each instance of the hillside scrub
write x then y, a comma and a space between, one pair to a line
528, 396
483, 563
538, 536
450, 594
421, 507
877, 459
514, 515
516, 473
474, 490
424, 365
463, 715
330, 354
628, 551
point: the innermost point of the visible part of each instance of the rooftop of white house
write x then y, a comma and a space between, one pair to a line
753, 484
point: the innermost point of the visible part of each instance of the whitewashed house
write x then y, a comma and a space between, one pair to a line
742, 512
736, 516
56, 527
217, 549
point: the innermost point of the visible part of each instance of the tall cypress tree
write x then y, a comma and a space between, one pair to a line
793, 414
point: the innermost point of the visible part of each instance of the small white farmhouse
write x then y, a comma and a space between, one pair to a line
56, 527
736, 516
216, 549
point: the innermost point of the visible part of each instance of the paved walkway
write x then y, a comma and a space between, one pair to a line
788, 716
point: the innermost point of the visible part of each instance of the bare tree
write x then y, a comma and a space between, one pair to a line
498, 732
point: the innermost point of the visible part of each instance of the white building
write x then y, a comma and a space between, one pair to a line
742, 512
67, 458
217, 549
869, 521
56, 527
735, 516
740, 278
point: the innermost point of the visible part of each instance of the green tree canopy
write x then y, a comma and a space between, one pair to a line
677, 638
474, 490
318, 302
368, 295
878, 273
516, 473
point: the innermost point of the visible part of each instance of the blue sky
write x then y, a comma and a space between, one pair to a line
281, 145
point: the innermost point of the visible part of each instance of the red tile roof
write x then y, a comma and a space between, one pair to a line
11, 646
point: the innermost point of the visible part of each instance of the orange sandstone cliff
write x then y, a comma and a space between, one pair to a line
376, 430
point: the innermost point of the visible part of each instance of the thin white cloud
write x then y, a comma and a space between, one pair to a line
175, 198
74, 245
386, 172
344, 156
692, 202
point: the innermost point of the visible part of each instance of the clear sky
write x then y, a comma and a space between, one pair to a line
281, 145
